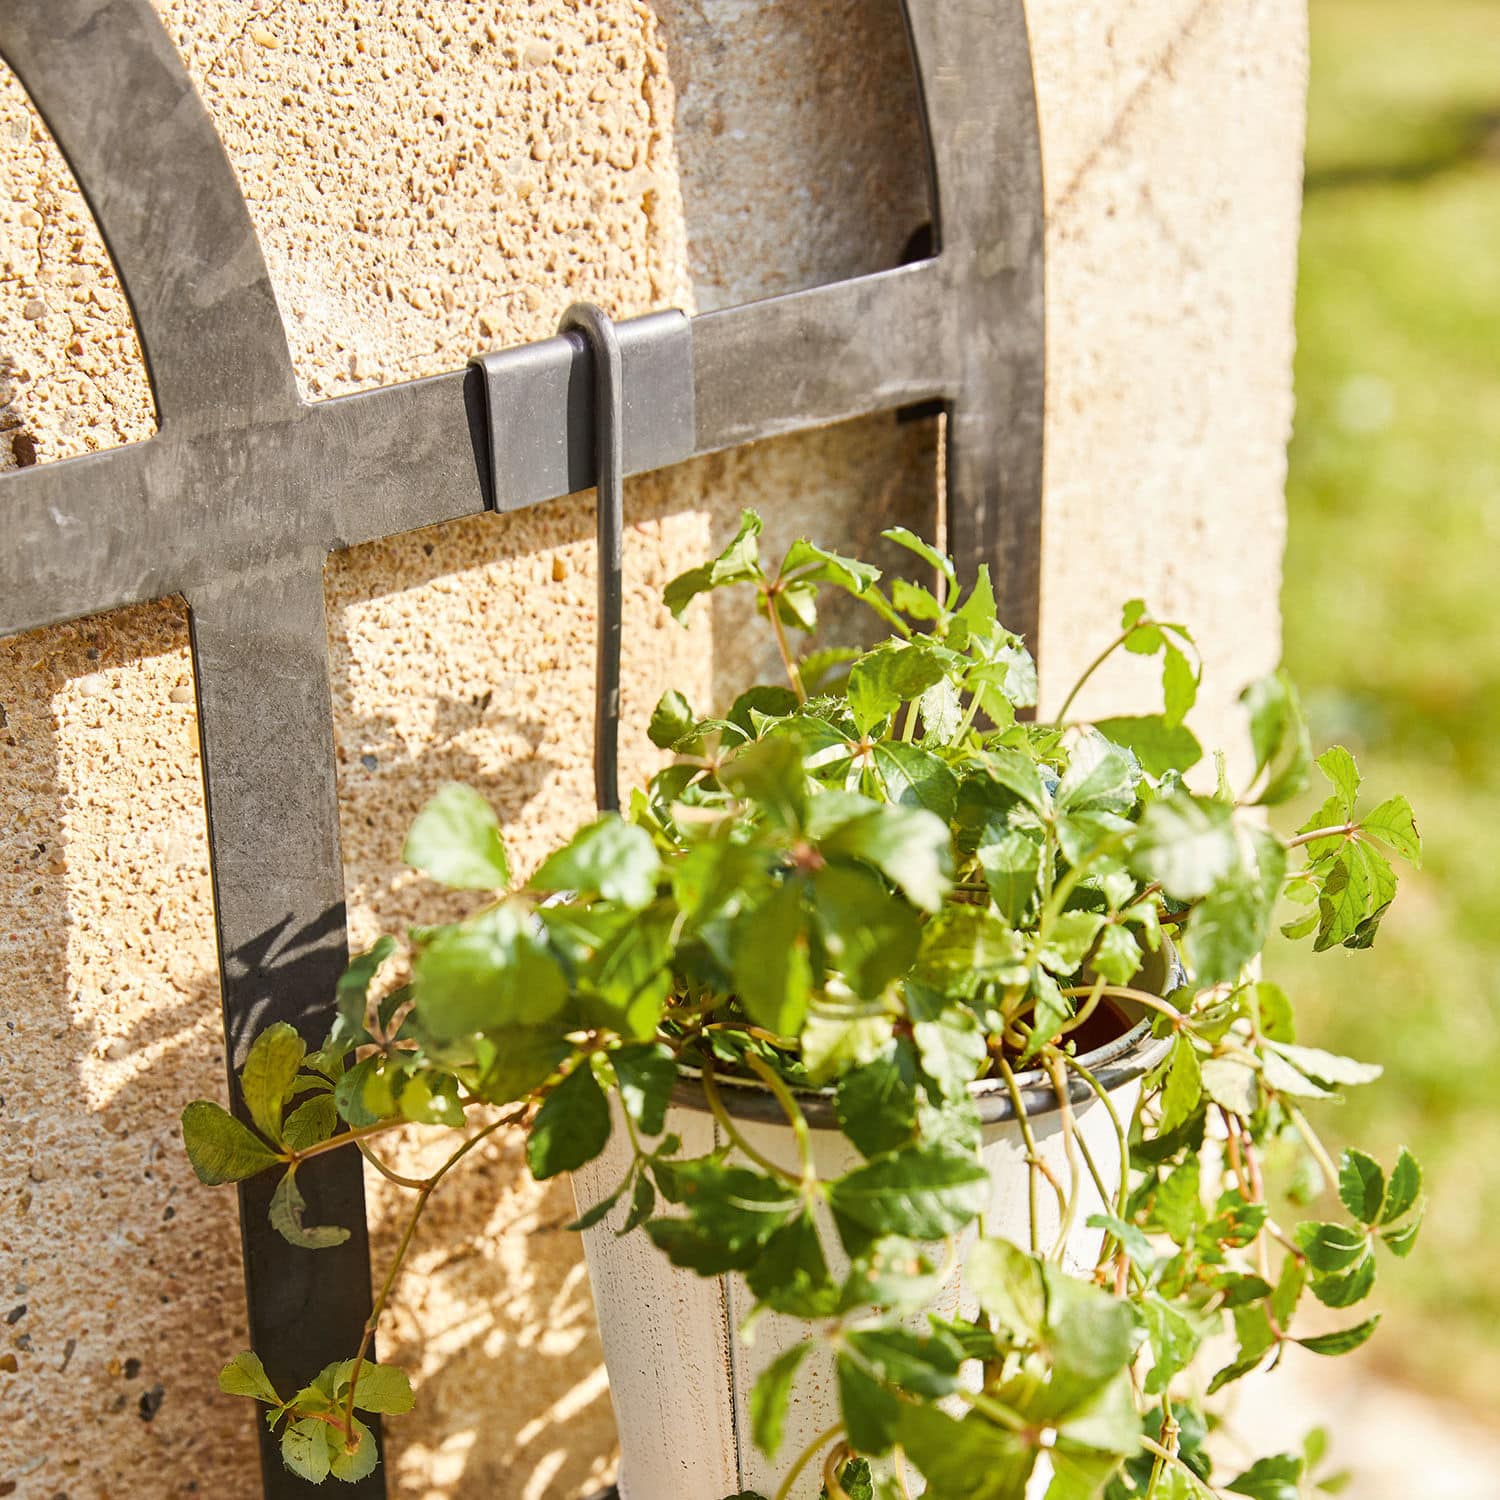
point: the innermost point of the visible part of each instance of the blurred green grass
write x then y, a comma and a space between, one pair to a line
1391, 604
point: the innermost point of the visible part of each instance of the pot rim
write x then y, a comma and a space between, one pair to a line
1117, 1063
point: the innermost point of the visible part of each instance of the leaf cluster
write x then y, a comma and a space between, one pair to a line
884, 882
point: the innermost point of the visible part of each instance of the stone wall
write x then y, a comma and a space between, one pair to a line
428, 180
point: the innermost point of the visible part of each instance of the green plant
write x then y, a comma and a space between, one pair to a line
879, 882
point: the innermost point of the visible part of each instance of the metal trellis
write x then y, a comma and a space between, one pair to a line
245, 489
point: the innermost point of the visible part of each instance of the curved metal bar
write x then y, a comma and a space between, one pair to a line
973, 62
609, 505
113, 91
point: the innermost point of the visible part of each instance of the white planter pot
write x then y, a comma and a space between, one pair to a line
680, 1374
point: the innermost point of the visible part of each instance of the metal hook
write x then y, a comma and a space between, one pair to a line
609, 468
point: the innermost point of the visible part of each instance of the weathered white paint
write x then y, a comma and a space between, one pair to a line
680, 1370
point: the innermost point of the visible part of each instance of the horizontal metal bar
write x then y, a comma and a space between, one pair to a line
182, 510
821, 356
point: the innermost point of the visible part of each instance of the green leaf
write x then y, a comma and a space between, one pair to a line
362, 1096
810, 561
1338, 766
1009, 1286
1183, 1088
1278, 733
1117, 959
1344, 900
1179, 684
867, 936
430, 1098
1012, 865
876, 1103
1101, 777
770, 772
913, 543
244, 1375
1018, 773
1081, 1475
1328, 1067
380, 1388
966, 946
953, 1049
352, 991
1159, 747
1186, 844
890, 675
1231, 1085
1275, 1478
456, 840
1347, 1288
790, 1272
1401, 1242
311, 1122
671, 720
922, 1192
646, 1073
732, 1212
770, 1395
739, 562
870, 1412
304, 1449
1405, 1185
971, 1459
219, 1147
523, 1060
571, 1127
596, 1213
642, 1205
1393, 824
1069, 938
1330, 1248
268, 1075
1361, 1185
611, 857
1342, 1342
768, 948
352, 1467
917, 1364
1174, 1341
286, 1211
489, 972
917, 778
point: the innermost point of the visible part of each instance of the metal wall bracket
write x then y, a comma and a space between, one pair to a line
237, 501
540, 400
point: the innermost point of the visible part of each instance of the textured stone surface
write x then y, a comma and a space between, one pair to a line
431, 179
1172, 140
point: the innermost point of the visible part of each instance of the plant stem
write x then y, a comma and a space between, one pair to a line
1089, 671
407, 1182
790, 1108
1124, 992
1033, 1156
782, 645
423, 1194
832, 1489
1333, 831
346, 1138
1313, 1142
736, 1139
1070, 1143
1122, 1199
806, 1457
1151, 1446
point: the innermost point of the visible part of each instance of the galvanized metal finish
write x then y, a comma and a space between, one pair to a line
239, 498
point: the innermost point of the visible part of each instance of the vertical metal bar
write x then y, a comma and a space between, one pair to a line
265, 726
973, 60
609, 465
